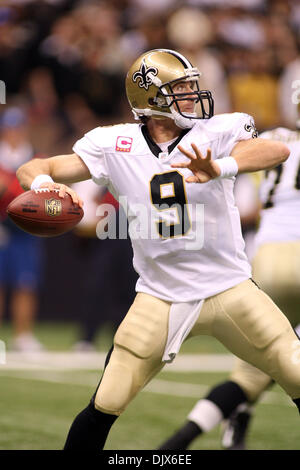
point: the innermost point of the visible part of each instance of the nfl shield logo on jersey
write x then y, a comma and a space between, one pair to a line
123, 144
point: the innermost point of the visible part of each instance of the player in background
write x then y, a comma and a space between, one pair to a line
175, 155
20, 253
276, 269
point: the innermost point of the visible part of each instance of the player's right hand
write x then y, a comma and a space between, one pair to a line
63, 190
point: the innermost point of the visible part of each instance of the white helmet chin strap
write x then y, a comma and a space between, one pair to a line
180, 121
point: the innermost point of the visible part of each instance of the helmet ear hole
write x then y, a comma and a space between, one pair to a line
156, 101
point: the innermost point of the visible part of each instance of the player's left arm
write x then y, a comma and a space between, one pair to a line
247, 155
259, 154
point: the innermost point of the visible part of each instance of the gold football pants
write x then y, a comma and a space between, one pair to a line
276, 268
243, 318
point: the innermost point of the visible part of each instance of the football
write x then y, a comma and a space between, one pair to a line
43, 213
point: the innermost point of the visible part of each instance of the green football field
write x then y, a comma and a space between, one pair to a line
40, 398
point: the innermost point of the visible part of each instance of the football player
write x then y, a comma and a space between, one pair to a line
276, 268
178, 159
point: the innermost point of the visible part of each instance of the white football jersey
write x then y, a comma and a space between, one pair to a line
280, 193
189, 252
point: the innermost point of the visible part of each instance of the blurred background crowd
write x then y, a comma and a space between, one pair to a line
63, 63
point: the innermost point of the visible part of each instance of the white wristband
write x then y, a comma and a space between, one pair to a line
228, 167
38, 180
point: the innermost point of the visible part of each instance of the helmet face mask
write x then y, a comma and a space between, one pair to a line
150, 85
201, 97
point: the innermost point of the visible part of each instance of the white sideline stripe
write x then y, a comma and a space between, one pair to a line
157, 386
40, 364
49, 360
165, 387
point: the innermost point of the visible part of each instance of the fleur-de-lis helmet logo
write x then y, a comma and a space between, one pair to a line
143, 76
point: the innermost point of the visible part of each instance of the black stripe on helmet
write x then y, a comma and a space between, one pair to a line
185, 62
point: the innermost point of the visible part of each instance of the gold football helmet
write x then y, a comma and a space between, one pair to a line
149, 88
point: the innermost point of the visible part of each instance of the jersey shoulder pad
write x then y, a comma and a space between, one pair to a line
226, 122
114, 136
